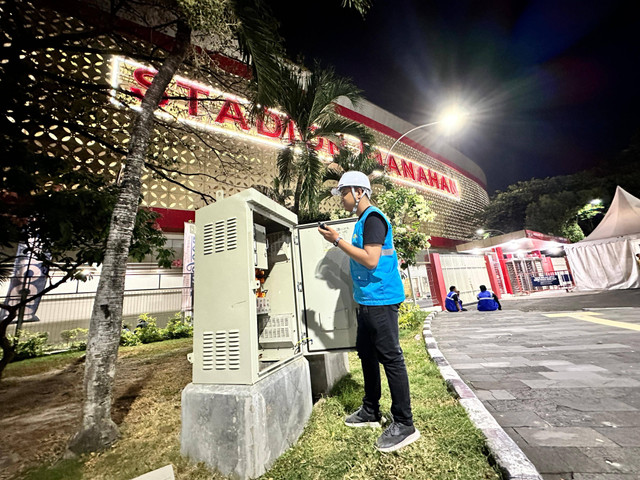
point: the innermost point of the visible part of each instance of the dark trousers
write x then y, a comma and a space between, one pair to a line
378, 342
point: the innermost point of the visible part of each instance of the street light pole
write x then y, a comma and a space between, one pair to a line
407, 133
454, 118
413, 293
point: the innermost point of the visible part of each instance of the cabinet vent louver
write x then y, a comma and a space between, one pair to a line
232, 233
221, 350
207, 350
208, 239
219, 236
234, 349
223, 235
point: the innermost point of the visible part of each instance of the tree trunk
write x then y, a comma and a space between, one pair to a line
98, 430
8, 350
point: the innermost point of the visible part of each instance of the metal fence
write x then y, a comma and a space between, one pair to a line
525, 275
161, 295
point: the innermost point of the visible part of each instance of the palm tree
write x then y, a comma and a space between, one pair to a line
308, 98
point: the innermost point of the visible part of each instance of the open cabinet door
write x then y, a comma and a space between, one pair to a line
328, 310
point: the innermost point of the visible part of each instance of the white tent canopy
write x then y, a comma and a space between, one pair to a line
622, 218
606, 258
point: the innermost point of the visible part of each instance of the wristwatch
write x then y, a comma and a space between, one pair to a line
335, 244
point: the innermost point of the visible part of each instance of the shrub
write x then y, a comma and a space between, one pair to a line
30, 345
410, 316
177, 327
128, 338
147, 330
76, 338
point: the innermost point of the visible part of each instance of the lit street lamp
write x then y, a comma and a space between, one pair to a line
451, 120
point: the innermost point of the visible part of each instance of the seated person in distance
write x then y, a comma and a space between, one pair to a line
453, 302
487, 300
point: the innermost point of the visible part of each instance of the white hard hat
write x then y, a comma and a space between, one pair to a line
353, 179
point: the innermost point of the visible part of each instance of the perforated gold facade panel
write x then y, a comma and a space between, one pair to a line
90, 124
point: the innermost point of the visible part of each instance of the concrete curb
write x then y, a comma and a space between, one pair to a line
513, 463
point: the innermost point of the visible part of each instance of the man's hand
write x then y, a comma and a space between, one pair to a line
329, 234
367, 256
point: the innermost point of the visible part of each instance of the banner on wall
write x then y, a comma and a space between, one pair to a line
188, 264
29, 274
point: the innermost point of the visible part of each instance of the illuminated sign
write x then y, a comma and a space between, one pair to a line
417, 175
205, 107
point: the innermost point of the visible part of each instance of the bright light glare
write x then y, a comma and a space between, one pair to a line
480, 231
452, 119
596, 201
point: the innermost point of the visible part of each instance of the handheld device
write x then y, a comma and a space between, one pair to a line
323, 226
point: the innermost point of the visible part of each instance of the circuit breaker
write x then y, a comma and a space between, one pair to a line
265, 290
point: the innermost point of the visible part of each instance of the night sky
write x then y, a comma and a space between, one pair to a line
554, 86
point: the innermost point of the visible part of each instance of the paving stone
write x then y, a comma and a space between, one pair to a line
564, 437
484, 395
570, 367
561, 460
495, 385
601, 476
576, 375
578, 380
502, 395
623, 436
481, 377
520, 419
596, 404
619, 419
551, 363
622, 459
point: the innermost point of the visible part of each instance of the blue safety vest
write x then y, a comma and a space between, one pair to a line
381, 285
486, 303
449, 304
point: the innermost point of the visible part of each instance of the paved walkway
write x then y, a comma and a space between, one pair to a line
563, 382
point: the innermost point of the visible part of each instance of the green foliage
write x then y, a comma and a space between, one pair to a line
308, 98
560, 205
409, 214
129, 339
149, 331
29, 345
410, 316
76, 338
177, 327
211, 16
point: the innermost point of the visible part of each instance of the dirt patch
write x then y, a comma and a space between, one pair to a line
40, 413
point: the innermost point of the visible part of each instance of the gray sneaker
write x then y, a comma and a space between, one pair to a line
361, 418
396, 436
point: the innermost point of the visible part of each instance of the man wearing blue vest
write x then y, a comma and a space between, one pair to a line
453, 303
378, 290
487, 300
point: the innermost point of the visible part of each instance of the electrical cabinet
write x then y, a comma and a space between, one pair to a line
265, 290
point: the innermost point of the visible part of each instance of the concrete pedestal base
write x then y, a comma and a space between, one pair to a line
326, 370
240, 430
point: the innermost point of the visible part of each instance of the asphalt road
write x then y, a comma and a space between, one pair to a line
560, 372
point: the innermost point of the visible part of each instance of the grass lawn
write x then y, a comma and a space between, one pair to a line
450, 447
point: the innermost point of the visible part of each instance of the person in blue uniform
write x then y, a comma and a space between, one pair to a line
487, 300
378, 291
453, 303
